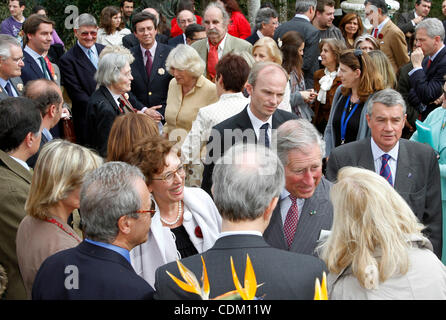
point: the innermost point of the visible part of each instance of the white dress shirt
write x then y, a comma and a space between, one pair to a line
377, 154
257, 123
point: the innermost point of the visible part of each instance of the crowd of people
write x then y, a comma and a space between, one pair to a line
202, 138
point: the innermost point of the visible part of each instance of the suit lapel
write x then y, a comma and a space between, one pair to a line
274, 232
366, 157
434, 63
16, 167
159, 58
404, 173
107, 95
82, 59
33, 65
16, 83
139, 64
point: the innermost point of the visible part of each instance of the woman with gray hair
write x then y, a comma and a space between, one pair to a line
110, 100
188, 91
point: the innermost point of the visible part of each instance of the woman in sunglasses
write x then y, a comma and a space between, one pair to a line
347, 121
186, 221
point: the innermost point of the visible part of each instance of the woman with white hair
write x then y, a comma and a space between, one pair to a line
110, 99
188, 91
53, 196
376, 249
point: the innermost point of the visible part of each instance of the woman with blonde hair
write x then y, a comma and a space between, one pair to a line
188, 91
376, 249
53, 196
382, 63
360, 79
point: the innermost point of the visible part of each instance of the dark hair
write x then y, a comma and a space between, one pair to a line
267, 5
31, 25
106, 19
192, 28
320, 7
122, 3
185, 5
18, 117
37, 8
380, 4
231, 6
418, 2
292, 60
44, 96
234, 69
143, 16
22, 3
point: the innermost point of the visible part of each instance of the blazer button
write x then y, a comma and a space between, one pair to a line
150, 93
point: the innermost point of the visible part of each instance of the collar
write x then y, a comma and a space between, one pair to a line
23, 163
285, 194
256, 122
115, 96
85, 50
382, 24
240, 232
47, 134
3, 83
377, 152
300, 15
436, 53
259, 34
226, 96
122, 251
221, 45
32, 53
152, 50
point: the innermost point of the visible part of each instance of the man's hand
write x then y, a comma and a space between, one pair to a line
417, 20
152, 113
417, 57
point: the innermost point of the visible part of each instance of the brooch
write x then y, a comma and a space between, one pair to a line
313, 212
126, 95
198, 232
20, 86
161, 71
380, 36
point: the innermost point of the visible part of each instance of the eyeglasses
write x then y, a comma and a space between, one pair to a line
169, 176
151, 210
86, 33
358, 54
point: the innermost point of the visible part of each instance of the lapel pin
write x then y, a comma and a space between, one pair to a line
409, 175
313, 212
20, 87
161, 71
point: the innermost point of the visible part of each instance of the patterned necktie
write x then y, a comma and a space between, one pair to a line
291, 220
8, 89
148, 63
375, 33
45, 71
92, 58
385, 168
264, 134
429, 61
212, 61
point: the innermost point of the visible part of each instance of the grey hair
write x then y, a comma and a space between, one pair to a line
184, 57
264, 15
433, 26
85, 19
297, 135
110, 64
303, 6
259, 66
224, 13
6, 41
387, 97
107, 194
245, 180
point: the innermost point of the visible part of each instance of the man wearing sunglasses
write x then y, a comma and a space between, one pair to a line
115, 204
78, 66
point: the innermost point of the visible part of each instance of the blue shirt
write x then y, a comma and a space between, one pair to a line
3, 83
123, 252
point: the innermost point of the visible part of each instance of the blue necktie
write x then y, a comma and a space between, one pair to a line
92, 58
264, 134
8, 89
385, 168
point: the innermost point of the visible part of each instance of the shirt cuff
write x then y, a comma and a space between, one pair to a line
414, 70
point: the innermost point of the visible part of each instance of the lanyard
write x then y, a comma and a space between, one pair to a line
344, 121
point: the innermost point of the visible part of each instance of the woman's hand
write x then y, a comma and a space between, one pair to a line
308, 95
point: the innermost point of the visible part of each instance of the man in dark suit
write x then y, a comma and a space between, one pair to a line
407, 21
115, 206
411, 167
49, 100
305, 11
11, 64
266, 86
20, 124
304, 213
38, 30
266, 23
429, 66
78, 66
151, 79
248, 181
184, 18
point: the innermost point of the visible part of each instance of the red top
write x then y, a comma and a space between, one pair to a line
175, 29
238, 26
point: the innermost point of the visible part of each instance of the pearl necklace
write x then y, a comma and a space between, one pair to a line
176, 220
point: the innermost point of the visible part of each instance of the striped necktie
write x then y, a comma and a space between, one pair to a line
385, 169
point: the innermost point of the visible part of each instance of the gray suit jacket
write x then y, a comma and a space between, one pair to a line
316, 215
232, 44
417, 179
285, 275
18, 86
